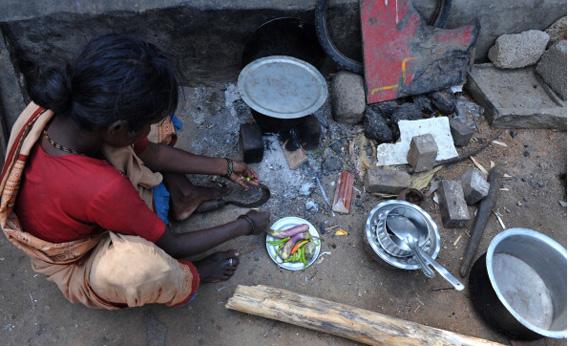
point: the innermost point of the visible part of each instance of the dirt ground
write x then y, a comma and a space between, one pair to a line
33, 312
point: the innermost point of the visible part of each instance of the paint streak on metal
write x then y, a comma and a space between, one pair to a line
404, 61
396, 3
403, 81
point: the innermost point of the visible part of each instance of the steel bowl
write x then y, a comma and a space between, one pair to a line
519, 286
381, 244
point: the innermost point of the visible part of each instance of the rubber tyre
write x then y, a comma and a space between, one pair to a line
439, 19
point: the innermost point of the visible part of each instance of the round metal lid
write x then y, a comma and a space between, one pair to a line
282, 87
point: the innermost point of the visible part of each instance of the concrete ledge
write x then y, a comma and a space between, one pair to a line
12, 96
515, 98
496, 18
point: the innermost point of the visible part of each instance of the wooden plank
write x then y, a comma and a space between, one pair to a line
356, 324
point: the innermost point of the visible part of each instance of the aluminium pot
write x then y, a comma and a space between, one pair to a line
287, 36
519, 286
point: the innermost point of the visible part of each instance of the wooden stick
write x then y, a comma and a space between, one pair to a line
470, 152
483, 213
356, 324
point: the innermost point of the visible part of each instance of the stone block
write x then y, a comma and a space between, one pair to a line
552, 68
515, 98
310, 133
397, 153
462, 130
348, 97
422, 153
557, 31
518, 50
474, 185
250, 139
386, 181
453, 207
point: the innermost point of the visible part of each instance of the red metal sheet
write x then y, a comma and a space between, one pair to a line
398, 46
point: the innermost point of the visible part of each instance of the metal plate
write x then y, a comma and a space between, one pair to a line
432, 247
286, 223
282, 87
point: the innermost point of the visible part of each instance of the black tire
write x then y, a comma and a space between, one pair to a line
440, 15
326, 43
438, 19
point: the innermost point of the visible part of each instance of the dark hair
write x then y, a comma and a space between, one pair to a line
115, 77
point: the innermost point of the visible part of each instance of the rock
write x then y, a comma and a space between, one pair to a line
311, 206
306, 189
557, 31
518, 50
474, 185
376, 127
515, 98
444, 101
251, 143
348, 97
422, 153
424, 104
406, 111
552, 68
386, 181
386, 108
468, 110
462, 129
453, 207
332, 163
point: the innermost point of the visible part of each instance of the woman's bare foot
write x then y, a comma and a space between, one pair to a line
186, 202
219, 266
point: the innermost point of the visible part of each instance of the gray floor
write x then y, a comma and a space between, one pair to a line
33, 311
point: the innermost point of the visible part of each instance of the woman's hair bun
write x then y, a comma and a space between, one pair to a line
54, 90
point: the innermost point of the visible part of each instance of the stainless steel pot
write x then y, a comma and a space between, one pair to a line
519, 286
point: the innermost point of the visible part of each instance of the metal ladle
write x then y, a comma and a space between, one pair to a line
408, 236
408, 244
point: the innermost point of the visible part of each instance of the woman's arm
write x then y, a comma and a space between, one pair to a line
163, 158
181, 245
166, 159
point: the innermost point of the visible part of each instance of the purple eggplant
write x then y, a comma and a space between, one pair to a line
289, 232
285, 253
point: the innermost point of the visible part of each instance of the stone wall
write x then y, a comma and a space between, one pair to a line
206, 37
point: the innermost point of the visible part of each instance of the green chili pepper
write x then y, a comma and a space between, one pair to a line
304, 260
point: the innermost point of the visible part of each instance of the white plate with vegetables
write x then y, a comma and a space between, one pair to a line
293, 243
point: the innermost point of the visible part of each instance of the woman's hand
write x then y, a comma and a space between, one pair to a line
244, 175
